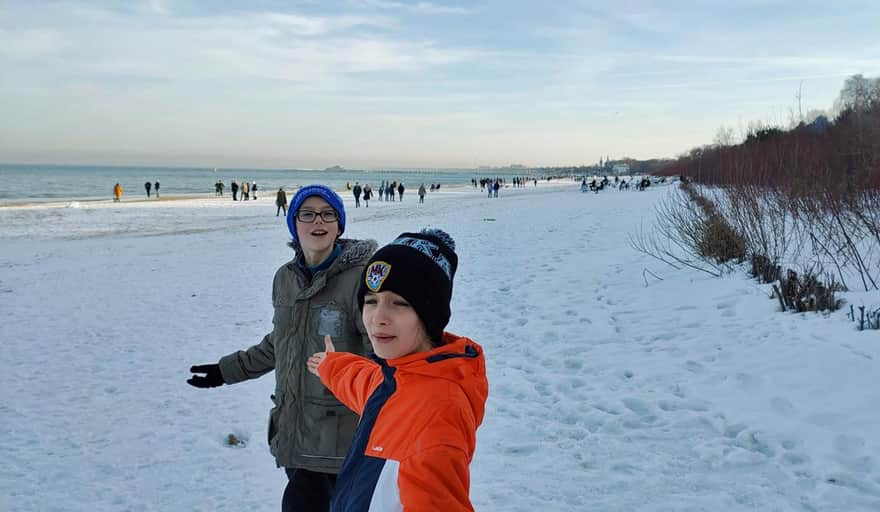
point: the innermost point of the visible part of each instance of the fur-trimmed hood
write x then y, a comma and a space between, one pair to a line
352, 253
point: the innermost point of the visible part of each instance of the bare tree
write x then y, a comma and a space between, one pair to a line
858, 93
676, 235
725, 136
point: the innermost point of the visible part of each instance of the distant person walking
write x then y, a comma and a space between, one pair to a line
357, 194
422, 194
156, 187
495, 188
368, 194
281, 202
117, 192
234, 187
400, 190
254, 190
245, 191
148, 186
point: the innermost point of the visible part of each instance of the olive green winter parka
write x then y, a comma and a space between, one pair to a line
308, 427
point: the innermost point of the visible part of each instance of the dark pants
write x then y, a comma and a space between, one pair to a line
307, 491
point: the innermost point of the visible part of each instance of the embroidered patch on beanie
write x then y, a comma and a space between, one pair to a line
376, 274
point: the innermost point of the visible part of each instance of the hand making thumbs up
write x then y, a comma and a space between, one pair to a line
318, 357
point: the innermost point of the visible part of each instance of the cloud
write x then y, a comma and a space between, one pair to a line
158, 7
29, 44
226, 48
294, 24
810, 62
418, 7
306, 74
722, 85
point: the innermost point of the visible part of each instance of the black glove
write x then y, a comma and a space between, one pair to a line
212, 378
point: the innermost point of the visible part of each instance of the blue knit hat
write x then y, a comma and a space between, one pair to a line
322, 191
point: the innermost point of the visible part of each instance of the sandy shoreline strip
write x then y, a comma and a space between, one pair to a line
65, 203
209, 198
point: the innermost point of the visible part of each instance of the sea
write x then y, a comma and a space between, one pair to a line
29, 183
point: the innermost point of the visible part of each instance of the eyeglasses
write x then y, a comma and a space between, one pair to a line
309, 216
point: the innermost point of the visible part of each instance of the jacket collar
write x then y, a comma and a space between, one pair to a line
352, 253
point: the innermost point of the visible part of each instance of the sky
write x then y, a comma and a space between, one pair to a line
384, 83
616, 383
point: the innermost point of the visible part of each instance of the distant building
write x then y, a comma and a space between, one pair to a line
620, 169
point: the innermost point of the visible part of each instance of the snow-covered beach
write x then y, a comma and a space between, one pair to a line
610, 389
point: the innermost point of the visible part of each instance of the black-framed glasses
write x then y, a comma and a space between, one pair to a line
309, 216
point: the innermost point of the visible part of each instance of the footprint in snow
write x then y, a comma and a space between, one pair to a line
725, 304
676, 390
572, 364
781, 406
608, 409
851, 481
526, 449
755, 441
626, 469
745, 380
683, 405
693, 366
733, 430
638, 406
795, 459
849, 446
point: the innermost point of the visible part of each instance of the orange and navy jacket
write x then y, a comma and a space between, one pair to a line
417, 432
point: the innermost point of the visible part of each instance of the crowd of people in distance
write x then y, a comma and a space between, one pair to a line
387, 191
619, 183
240, 192
493, 185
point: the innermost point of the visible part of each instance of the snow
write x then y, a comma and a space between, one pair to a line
610, 389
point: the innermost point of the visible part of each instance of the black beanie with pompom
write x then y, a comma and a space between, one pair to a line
420, 268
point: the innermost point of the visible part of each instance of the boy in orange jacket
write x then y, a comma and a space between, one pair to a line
421, 396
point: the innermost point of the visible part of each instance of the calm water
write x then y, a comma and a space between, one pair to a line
31, 183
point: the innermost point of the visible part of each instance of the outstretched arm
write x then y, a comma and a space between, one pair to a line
254, 362
351, 378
